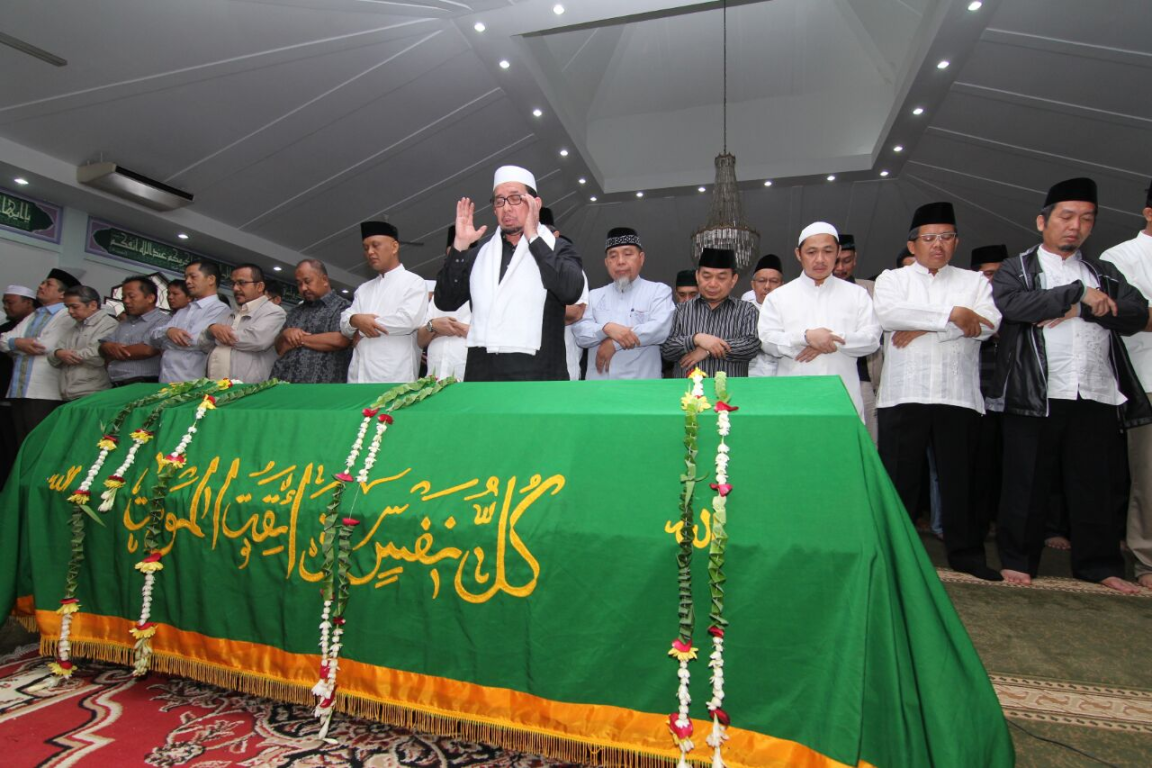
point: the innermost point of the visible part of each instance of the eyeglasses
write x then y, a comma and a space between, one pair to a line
243, 283
944, 237
498, 202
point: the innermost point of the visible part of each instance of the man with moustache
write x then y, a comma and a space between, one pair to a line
626, 321
385, 312
241, 345
311, 347
1065, 384
935, 316
817, 325
519, 281
685, 288
131, 359
766, 277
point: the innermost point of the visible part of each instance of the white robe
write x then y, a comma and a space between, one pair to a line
801, 305
399, 298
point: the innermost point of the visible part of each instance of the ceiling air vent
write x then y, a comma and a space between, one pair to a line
132, 186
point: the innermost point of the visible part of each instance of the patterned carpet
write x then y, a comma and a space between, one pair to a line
105, 717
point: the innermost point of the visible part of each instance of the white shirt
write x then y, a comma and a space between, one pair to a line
763, 364
801, 305
1134, 260
571, 348
399, 299
645, 307
1079, 362
33, 377
941, 367
448, 355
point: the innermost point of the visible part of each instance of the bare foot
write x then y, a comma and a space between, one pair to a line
1015, 577
1145, 581
1057, 542
1118, 584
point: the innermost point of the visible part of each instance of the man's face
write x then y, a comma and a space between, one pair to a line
715, 284
272, 297
934, 255
244, 288
200, 285
817, 256
685, 293
845, 264
624, 262
1068, 226
17, 307
78, 309
511, 217
989, 270
50, 291
312, 283
178, 299
381, 252
765, 281
136, 302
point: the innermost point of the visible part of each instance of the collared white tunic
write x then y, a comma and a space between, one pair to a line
448, 355
941, 367
1079, 353
801, 305
645, 307
763, 364
399, 298
1134, 260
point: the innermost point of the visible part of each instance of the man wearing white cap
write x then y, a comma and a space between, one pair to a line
818, 325
19, 302
519, 282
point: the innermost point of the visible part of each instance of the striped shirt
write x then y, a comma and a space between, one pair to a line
33, 377
134, 329
731, 320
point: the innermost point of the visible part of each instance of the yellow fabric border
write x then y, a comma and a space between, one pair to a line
592, 734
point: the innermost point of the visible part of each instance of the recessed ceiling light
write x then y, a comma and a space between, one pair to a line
557, 9
504, 64
343, 290
918, 111
639, 194
182, 236
883, 173
21, 181
563, 153
277, 269
975, 5
831, 177
479, 27
582, 180
768, 183
537, 113
898, 148
943, 64
699, 189
593, 198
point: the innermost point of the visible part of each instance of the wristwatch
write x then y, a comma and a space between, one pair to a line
430, 329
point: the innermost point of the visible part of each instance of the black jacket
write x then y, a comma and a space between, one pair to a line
1020, 385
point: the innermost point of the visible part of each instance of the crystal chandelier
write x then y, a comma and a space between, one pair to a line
726, 227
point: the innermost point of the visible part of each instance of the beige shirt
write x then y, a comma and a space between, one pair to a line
250, 359
84, 339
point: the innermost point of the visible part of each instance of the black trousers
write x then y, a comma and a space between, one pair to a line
545, 365
1072, 446
987, 468
906, 432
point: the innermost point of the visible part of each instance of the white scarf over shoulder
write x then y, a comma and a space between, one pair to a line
508, 314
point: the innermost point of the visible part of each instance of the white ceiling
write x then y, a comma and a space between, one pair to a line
293, 120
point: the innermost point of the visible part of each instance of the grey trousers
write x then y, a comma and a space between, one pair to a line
1140, 498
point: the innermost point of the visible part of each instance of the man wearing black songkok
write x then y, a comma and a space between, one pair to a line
1065, 385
